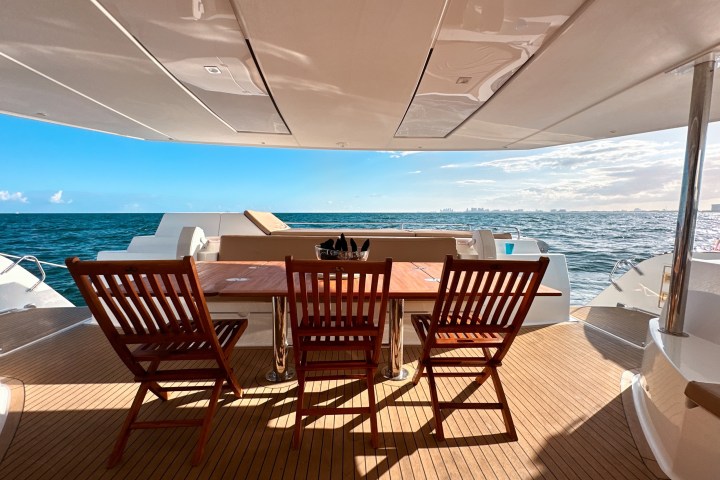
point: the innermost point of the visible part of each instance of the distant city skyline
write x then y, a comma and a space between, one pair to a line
51, 168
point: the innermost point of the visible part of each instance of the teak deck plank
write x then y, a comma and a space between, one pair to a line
562, 381
20, 328
627, 324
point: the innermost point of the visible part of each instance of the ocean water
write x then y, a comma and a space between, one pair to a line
592, 241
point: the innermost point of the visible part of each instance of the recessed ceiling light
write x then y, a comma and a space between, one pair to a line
462, 80
213, 70
41, 114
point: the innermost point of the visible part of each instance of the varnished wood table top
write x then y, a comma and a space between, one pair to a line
409, 280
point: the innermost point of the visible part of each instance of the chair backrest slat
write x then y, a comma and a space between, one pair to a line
146, 295
344, 300
361, 301
347, 320
472, 298
169, 287
191, 310
131, 293
446, 306
167, 310
151, 301
119, 297
509, 302
477, 296
462, 292
103, 292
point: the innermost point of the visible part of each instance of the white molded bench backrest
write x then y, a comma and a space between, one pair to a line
172, 223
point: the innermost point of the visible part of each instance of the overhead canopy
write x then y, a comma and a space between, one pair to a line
362, 74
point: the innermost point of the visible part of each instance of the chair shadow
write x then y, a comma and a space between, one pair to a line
262, 413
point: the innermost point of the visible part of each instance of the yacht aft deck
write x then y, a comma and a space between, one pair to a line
562, 381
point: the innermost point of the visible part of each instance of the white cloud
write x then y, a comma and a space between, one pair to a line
6, 196
475, 182
403, 154
603, 155
415, 172
608, 174
452, 165
57, 197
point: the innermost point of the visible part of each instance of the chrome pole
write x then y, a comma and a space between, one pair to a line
689, 197
280, 371
395, 370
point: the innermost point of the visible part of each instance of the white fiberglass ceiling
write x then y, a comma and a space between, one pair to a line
480, 46
365, 74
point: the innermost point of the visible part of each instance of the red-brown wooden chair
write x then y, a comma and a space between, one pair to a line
480, 307
336, 306
161, 317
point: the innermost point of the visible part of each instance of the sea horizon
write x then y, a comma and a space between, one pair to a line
636, 210
592, 241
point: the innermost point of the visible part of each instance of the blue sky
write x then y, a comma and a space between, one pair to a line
50, 168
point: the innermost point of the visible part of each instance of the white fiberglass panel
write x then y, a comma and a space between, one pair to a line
24, 93
480, 45
341, 72
201, 44
76, 45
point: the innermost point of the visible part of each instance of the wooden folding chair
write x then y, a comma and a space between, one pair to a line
480, 307
160, 317
342, 306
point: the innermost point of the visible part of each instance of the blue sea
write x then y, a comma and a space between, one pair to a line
592, 241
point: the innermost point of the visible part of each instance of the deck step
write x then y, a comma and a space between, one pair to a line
629, 325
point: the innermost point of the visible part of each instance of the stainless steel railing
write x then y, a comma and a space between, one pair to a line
38, 263
627, 263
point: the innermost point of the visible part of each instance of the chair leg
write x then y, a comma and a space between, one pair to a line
207, 422
234, 385
121, 442
298, 416
480, 379
155, 388
507, 417
418, 372
374, 440
439, 434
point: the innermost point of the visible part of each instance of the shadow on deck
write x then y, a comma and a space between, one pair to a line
563, 384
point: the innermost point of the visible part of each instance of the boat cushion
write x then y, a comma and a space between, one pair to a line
350, 233
266, 221
276, 247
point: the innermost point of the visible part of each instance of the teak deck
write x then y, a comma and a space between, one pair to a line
630, 325
18, 329
562, 381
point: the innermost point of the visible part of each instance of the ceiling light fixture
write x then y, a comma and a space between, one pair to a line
213, 70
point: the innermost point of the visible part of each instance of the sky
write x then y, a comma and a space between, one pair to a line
52, 168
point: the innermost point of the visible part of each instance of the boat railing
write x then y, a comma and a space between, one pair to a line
30, 258
624, 263
406, 225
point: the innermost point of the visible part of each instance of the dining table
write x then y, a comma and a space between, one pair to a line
267, 281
